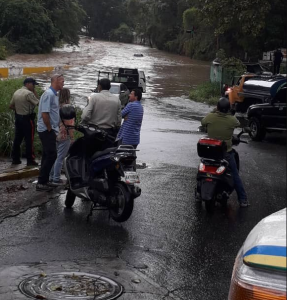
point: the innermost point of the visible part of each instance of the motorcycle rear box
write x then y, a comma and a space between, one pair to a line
211, 148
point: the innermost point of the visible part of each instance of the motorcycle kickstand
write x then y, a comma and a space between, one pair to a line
91, 213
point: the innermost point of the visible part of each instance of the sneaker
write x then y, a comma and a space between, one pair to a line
58, 183
16, 162
43, 187
244, 203
32, 163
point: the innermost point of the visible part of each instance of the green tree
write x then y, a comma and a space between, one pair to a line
68, 18
104, 16
122, 34
27, 25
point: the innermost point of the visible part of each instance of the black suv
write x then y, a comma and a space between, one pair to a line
268, 117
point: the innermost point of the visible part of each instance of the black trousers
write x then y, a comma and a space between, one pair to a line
24, 129
276, 68
49, 155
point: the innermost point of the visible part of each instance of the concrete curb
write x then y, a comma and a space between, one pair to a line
22, 71
19, 174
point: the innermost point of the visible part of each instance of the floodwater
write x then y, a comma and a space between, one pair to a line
168, 75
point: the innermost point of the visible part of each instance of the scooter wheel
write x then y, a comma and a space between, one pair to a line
70, 199
123, 206
210, 205
197, 197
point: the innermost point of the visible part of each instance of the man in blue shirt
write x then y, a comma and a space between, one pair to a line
48, 128
132, 114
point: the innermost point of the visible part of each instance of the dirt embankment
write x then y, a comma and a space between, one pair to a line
87, 51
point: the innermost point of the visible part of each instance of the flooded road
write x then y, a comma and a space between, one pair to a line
168, 75
168, 239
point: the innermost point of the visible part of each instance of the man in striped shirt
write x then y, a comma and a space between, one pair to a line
132, 114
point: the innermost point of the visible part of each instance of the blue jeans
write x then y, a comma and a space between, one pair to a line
238, 185
62, 150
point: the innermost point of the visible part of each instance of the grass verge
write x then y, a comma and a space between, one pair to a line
207, 92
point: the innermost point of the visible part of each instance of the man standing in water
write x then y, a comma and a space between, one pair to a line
48, 128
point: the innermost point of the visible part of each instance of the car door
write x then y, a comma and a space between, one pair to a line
279, 118
274, 113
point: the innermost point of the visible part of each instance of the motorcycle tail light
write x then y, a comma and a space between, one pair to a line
255, 284
201, 167
220, 170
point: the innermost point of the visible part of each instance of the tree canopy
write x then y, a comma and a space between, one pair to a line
239, 27
35, 26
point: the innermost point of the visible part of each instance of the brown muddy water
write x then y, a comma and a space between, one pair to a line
168, 75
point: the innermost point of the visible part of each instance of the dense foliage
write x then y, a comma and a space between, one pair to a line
243, 28
34, 26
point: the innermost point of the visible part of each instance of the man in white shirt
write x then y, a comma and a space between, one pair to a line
104, 110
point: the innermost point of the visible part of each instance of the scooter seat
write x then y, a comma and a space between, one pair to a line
104, 152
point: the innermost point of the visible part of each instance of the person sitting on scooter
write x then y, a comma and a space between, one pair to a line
220, 125
104, 111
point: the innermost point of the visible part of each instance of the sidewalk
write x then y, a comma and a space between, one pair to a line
17, 172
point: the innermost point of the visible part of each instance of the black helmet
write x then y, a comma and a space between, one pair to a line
223, 105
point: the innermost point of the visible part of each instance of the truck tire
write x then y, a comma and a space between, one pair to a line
257, 131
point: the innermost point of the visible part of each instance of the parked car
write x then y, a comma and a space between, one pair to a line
260, 267
268, 117
252, 89
120, 90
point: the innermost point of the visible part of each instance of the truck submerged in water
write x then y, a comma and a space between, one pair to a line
131, 78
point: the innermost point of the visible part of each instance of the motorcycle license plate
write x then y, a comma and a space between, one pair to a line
132, 177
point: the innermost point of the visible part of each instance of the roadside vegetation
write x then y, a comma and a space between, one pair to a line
259, 25
207, 92
36, 26
194, 28
7, 119
210, 92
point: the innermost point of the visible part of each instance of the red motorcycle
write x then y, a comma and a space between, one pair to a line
214, 178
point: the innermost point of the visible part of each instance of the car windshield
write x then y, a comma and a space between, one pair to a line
115, 89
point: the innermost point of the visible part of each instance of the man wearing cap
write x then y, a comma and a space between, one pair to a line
48, 128
23, 102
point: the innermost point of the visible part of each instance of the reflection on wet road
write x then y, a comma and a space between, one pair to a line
181, 247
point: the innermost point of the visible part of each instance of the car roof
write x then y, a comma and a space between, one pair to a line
265, 246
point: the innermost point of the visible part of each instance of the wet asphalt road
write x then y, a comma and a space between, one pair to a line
173, 242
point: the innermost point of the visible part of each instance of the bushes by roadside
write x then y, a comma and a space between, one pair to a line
207, 92
7, 119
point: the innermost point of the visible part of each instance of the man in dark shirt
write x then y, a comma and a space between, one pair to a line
277, 59
220, 125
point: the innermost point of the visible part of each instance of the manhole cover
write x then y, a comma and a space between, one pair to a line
72, 286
